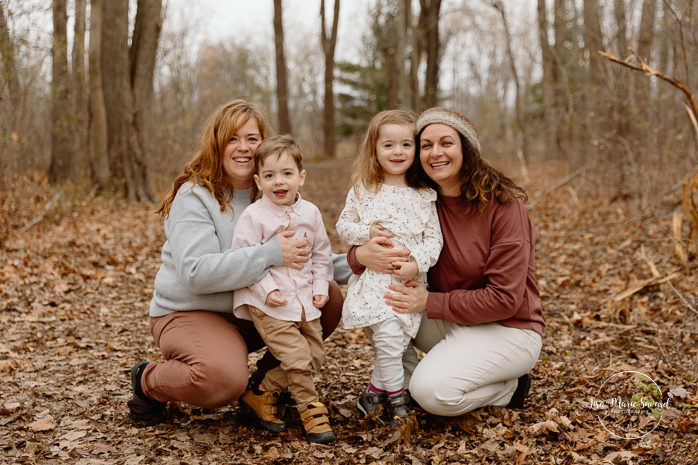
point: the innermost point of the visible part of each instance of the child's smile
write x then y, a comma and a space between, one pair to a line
279, 179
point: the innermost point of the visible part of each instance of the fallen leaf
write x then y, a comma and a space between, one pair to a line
45, 424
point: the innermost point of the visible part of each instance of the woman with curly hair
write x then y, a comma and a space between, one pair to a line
204, 345
482, 323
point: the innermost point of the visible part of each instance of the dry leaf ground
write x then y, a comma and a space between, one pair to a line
74, 294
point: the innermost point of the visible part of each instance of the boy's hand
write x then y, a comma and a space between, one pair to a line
378, 230
274, 299
405, 270
320, 300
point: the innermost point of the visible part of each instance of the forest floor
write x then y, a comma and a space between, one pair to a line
75, 289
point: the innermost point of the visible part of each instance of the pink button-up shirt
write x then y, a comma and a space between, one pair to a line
257, 224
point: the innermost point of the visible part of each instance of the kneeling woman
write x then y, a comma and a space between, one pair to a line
482, 323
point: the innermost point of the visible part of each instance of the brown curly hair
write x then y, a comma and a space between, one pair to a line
206, 167
480, 182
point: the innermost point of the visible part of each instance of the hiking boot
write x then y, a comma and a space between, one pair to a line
263, 407
522, 389
144, 410
396, 407
317, 425
370, 401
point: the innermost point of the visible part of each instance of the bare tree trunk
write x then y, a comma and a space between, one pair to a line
400, 52
418, 40
621, 91
281, 82
9, 70
411, 84
142, 57
431, 9
99, 159
61, 167
548, 83
560, 78
512, 64
641, 85
328, 47
79, 85
593, 43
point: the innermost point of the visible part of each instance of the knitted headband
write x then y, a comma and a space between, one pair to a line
451, 118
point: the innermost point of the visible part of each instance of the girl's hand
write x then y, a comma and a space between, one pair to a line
320, 300
274, 299
378, 254
378, 230
410, 298
294, 252
406, 270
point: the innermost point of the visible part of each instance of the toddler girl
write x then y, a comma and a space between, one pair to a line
386, 197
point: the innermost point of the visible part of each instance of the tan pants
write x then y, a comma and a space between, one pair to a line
298, 346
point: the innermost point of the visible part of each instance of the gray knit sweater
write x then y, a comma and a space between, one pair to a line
199, 270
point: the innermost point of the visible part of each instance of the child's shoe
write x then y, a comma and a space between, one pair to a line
263, 407
316, 424
370, 401
144, 410
396, 407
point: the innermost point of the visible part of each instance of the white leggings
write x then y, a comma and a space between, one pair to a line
468, 367
395, 355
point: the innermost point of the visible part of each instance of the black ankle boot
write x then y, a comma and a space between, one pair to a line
144, 410
522, 389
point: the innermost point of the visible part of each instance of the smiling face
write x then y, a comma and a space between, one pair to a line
441, 155
279, 178
395, 151
238, 163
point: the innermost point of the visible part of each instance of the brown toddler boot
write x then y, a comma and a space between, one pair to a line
263, 407
316, 424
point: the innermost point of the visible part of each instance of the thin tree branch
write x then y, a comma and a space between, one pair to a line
556, 186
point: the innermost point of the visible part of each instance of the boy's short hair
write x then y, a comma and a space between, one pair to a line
277, 145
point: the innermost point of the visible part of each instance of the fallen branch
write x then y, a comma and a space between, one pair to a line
688, 305
645, 68
640, 285
556, 186
47, 207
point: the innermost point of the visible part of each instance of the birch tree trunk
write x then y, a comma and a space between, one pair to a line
328, 47
61, 167
281, 81
99, 159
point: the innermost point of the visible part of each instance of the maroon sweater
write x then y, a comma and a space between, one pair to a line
486, 270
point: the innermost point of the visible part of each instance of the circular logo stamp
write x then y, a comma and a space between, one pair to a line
629, 405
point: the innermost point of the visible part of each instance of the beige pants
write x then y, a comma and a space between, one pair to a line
298, 346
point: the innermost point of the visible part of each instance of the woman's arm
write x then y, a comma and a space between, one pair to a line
194, 246
505, 272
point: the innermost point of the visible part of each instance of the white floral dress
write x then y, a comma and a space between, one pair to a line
408, 213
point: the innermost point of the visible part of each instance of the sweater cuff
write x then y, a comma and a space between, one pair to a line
436, 303
356, 267
272, 252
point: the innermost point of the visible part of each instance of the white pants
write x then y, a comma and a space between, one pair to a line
396, 358
468, 367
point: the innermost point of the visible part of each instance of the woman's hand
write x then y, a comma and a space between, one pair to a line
410, 298
294, 252
378, 254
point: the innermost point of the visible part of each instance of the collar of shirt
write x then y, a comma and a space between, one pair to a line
281, 210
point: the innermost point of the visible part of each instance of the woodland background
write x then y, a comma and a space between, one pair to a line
96, 122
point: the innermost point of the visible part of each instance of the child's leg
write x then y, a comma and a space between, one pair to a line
390, 343
285, 341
